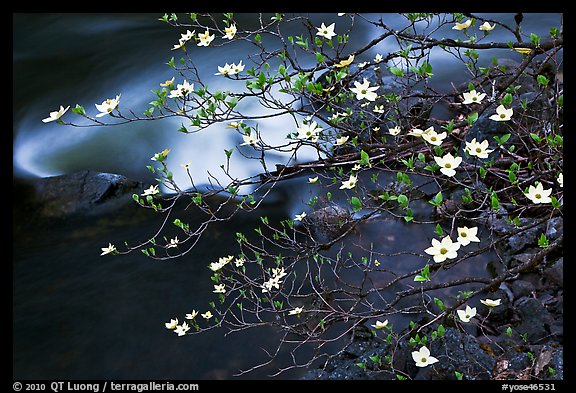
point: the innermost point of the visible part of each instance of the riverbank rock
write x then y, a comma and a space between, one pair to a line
80, 192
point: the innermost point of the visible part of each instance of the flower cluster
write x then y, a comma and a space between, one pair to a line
184, 38
309, 131
181, 90
447, 249
274, 281
230, 69
222, 261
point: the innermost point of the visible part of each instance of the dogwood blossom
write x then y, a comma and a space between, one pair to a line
444, 249
167, 82
152, 190
173, 243
433, 137
346, 62
111, 249
234, 124
462, 26
192, 315
486, 26
222, 261
560, 180
56, 114
342, 140
473, 97
448, 164
181, 90
273, 282
312, 180
394, 130
172, 324
205, 38
490, 302
326, 31
478, 149
279, 272
309, 131
300, 217
230, 32
537, 194
236, 69
207, 315
184, 38
350, 183
219, 288
251, 139
467, 235
422, 357
419, 132
502, 114
181, 330
224, 70
296, 311
378, 58
364, 90
379, 108
107, 106
380, 325
466, 315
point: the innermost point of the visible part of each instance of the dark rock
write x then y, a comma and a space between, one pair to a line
535, 319
81, 192
521, 288
554, 274
327, 223
463, 353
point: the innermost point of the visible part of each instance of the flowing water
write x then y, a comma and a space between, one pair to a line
79, 316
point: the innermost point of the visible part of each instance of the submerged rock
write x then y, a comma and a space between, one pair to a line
81, 192
327, 223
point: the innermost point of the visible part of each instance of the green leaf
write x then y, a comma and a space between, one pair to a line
440, 304
507, 99
356, 204
403, 200
542, 80
79, 110
494, 201
543, 241
472, 118
397, 71
535, 137
438, 230
437, 200
364, 158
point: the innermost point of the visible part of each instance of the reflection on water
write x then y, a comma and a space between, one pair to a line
77, 315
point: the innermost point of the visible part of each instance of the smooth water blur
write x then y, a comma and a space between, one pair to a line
77, 315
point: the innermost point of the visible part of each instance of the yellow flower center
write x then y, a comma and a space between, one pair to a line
443, 251
433, 138
463, 234
478, 150
363, 91
447, 165
502, 115
424, 360
474, 98
538, 196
